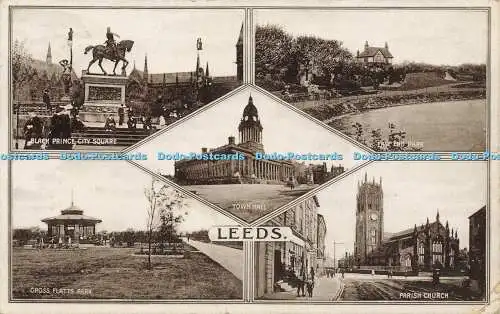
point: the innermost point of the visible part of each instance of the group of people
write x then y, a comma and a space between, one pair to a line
305, 280
59, 133
332, 272
110, 123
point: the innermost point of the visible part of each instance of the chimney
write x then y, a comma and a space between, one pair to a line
231, 140
204, 150
386, 46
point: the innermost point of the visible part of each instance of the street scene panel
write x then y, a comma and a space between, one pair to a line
104, 79
76, 237
249, 154
390, 231
374, 76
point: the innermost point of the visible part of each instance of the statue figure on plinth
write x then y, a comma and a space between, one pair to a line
66, 75
112, 51
110, 41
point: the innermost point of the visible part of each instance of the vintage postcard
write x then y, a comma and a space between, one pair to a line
249, 157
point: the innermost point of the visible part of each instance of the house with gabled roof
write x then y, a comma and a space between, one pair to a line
375, 55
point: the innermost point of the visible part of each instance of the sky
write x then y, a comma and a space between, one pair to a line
112, 191
438, 37
412, 191
168, 37
284, 130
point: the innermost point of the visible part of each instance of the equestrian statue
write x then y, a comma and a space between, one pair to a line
112, 51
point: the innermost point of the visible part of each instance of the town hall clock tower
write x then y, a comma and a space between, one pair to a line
369, 219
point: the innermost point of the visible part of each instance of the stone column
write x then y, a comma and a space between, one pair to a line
76, 235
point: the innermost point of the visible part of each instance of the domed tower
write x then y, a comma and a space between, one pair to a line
250, 129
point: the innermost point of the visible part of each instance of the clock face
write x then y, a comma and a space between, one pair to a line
374, 216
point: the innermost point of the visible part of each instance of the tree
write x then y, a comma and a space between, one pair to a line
163, 210
171, 215
22, 69
272, 50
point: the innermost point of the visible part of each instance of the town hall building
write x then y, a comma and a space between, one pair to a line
248, 170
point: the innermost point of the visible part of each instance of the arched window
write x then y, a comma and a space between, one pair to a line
452, 257
437, 252
373, 236
421, 252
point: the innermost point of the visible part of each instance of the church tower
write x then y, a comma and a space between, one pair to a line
250, 128
49, 56
369, 219
239, 56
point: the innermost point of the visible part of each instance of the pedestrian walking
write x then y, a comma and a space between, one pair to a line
121, 114
46, 100
300, 282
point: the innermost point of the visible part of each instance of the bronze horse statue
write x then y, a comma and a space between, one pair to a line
102, 52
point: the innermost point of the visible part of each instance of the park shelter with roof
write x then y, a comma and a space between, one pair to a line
71, 225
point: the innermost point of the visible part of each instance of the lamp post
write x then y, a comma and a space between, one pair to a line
16, 108
334, 257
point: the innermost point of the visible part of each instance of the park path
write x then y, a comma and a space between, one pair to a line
229, 258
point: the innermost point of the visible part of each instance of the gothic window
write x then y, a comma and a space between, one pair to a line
373, 236
421, 253
452, 257
437, 250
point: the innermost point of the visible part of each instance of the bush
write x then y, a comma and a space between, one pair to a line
271, 85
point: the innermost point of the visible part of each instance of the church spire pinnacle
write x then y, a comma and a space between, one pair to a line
146, 74
49, 55
197, 63
207, 73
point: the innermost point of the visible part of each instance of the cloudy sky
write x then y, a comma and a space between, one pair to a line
284, 130
412, 191
112, 191
167, 36
437, 37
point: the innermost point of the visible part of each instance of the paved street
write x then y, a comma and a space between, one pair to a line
325, 289
415, 288
249, 201
229, 258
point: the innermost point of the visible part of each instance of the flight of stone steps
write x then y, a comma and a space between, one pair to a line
123, 136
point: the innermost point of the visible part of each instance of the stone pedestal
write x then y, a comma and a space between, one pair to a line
104, 94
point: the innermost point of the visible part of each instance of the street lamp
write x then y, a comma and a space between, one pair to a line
17, 108
334, 257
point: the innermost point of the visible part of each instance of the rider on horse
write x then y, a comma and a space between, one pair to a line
110, 41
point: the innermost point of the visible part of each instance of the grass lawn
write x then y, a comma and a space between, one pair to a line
115, 273
249, 201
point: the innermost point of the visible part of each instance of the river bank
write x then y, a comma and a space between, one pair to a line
342, 107
452, 125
